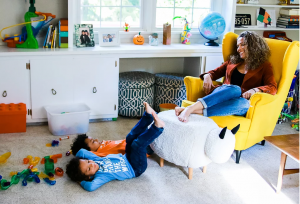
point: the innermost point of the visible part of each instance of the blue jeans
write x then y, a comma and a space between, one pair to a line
225, 100
137, 141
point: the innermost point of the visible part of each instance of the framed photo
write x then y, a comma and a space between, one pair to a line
109, 38
84, 35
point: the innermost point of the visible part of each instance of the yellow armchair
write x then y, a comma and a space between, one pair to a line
264, 108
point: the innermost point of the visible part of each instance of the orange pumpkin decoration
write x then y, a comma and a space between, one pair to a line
138, 39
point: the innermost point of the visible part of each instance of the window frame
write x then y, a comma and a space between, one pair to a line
140, 28
153, 26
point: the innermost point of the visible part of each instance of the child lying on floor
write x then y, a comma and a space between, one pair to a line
93, 171
101, 149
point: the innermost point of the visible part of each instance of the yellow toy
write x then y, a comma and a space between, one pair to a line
4, 157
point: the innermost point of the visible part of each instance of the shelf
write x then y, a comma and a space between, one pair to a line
261, 28
266, 5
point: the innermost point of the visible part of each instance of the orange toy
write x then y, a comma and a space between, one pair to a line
12, 117
138, 39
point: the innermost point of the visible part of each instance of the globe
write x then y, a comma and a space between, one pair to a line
212, 26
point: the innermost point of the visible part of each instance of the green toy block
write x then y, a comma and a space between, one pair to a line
49, 165
114, 119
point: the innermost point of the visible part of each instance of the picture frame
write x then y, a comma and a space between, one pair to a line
109, 38
84, 35
272, 14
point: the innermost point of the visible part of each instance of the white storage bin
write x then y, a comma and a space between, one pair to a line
68, 119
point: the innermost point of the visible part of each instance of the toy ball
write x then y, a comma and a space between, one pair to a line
211, 27
138, 39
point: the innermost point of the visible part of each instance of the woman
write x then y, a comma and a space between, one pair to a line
246, 72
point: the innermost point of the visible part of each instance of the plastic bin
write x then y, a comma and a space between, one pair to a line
68, 119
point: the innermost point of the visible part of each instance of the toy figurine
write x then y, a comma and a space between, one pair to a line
186, 33
126, 27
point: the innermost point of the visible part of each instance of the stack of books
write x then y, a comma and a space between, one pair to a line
57, 36
289, 18
63, 33
51, 37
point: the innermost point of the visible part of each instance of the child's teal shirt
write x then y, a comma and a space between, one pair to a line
111, 167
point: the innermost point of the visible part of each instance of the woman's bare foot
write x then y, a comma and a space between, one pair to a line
196, 108
184, 115
157, 122
148, 108
178, 110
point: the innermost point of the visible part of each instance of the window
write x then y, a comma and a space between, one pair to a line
193, 10
110, 13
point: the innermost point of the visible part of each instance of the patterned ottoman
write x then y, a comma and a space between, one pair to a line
169, 88
134, 89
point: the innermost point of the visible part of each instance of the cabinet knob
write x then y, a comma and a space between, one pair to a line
53, 91
4, 94
94, 90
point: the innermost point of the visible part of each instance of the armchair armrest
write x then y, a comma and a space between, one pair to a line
194, 88
259, 99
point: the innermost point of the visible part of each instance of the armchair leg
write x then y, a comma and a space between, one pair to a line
238, 156
263, 143
190, 173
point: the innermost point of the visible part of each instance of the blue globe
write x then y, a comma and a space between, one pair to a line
211, 27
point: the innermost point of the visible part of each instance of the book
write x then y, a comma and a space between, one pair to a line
45, 41
53, 37
286, 11
49, 33
288, 22
287, 26
290, 16
288, 19
56, 37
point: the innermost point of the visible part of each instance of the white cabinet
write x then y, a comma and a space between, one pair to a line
14, 81
75, 79
96, 84
51, 83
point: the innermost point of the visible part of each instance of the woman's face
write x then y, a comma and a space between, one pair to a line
242, 48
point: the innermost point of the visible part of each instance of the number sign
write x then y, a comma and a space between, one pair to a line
242, 20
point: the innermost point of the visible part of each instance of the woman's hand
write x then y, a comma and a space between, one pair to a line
248, 94
207, 83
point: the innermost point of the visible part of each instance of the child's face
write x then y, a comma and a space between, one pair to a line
93, 144
88, 167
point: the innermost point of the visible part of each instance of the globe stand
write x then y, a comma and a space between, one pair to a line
211, 43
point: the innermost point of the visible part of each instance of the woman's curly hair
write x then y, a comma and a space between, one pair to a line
257, 49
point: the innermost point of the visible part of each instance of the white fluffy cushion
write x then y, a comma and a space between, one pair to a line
219, 150
183, 143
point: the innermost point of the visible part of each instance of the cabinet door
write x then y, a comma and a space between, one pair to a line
51, 83
96, 85
14, 82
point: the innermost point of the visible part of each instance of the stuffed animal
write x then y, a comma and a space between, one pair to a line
193, 144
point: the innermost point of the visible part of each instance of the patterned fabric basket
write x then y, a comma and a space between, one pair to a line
134, 89
169, 88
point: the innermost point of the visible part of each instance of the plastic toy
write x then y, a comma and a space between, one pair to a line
59, 171
25, 161
30, 176
138, 39
68, 153
126, 27
30, 33
13, 173
32, 161
54, 143
6, 184
49, 165
64, 138
48, 145
4, 157
186, 33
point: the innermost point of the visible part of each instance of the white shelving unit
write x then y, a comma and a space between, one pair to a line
252, 9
